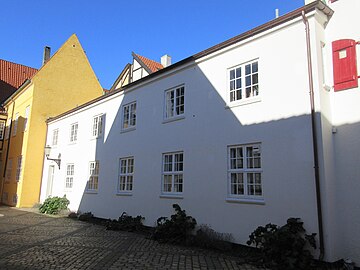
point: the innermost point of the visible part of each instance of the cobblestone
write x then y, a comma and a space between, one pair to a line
32, 241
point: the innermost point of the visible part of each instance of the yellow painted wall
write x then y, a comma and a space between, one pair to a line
65, 81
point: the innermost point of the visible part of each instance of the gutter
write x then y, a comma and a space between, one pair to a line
314, 138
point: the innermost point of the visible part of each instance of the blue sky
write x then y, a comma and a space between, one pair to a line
109, 30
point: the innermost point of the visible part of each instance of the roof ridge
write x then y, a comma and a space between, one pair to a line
11, 62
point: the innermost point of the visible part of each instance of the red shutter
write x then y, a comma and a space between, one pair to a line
344, 64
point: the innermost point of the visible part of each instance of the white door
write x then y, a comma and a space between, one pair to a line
50, 180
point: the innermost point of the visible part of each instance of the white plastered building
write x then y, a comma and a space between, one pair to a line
228, 135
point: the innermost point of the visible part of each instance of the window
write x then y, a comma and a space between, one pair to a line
93, 182
55, 137
27, 111
7, 130
97, 126
15, 124
18, 168
129, 116
174, 102
126, 174
73, 132
2, 129
245, 171
69, 181
244, 81
8, 170
173, 166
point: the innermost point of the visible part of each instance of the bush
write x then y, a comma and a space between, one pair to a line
126, 223
284, 247
87, 216
206, 237
177, 229
53, 205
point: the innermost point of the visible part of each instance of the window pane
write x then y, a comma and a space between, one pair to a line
255, 67
178, 183
167, 183
232, 74
238, 72
247, 69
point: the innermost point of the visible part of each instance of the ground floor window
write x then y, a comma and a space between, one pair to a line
172, 174
245, 171
126, 174
69, 180
93, 182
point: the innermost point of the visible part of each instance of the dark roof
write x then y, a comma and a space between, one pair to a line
12, 76
150, 65
257, 30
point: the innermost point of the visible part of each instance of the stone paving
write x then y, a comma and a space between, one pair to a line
33, 241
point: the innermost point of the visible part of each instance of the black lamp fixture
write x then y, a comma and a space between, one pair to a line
47, 154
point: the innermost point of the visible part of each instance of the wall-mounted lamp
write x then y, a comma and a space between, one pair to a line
47, 154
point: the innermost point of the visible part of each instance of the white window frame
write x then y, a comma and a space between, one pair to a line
128, 119
174, 100
243, 86
93, 182
245, 174
27, 112
2, 129
9, 169
74, 127
125, 181
55, 137
70, 172
173, 170
18, 168
16, 122
97, 126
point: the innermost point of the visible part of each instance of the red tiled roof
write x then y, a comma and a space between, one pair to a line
151, 64
12, 76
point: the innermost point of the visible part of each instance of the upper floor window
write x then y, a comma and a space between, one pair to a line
18, 168
92, 184
2, 129
27, 112
244, 81
172, 175
15, 124
55, 137
7, 129
126, 174
73, 132
69, 180
97, 126
129, 116
244, 171
174, 102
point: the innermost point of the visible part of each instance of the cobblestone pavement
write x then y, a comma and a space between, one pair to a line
33, 241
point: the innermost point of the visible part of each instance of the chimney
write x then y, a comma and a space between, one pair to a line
166, 60
277, 13
46, 56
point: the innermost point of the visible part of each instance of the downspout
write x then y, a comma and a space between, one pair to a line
314, 137
43, 163
7, 150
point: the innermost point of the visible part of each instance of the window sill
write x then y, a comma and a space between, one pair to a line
96, 138
72, 143
127, 129
124, 194
245, 200
91, 192
171, 196
243, 102
172, 119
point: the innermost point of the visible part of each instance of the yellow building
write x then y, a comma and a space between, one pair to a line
63, 82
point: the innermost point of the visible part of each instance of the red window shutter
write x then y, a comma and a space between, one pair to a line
344, 64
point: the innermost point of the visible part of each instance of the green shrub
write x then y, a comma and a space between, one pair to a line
53, 205
126, 223
177, 229
284, 247
206, 237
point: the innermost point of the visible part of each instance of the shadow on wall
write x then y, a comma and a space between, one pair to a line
11, 169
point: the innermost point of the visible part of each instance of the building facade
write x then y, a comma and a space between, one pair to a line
228, 134
63, 82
